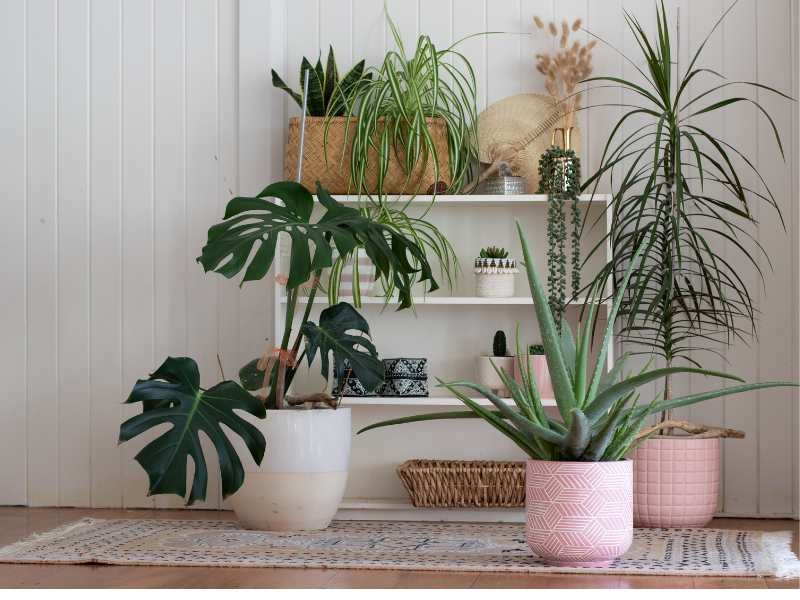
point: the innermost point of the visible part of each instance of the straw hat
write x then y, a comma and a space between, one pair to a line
518, 130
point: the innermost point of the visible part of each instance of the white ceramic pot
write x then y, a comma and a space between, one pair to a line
302, 478
494, 278
488, 377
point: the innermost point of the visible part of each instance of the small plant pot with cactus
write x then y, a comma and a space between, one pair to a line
490, 368
494, 273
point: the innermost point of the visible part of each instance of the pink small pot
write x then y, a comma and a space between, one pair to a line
541, 375
579, 514
675, 481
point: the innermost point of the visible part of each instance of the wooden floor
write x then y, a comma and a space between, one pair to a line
16, 523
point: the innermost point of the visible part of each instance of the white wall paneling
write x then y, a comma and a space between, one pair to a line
127, 124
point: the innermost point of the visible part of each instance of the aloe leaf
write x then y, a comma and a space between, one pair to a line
559, 375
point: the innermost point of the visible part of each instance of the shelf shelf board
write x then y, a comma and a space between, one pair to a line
438, 300
422, 401
471, 199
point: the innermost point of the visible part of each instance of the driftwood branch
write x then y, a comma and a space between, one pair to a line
694, 429
315, 398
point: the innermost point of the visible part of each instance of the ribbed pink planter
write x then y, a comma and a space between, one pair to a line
579, 514
675, 481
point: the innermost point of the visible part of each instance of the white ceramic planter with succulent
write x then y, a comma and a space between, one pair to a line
494, 273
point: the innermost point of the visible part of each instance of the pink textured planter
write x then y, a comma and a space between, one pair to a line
579, 514
675, 481
540, 375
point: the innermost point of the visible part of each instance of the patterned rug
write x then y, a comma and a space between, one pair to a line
394, 545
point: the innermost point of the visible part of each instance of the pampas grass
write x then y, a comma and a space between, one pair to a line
565, 68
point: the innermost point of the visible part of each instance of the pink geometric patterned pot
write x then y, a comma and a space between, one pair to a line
675, 481
579, 514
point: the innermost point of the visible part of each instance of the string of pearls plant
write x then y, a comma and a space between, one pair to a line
559, 178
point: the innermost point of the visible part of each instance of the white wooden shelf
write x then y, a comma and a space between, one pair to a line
472, 200
422, 401
434, 300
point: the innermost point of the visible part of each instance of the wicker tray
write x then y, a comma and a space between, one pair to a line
464, 483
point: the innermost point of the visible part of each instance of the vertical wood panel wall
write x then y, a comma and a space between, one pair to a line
127, 124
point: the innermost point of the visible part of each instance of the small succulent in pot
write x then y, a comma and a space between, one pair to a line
536, 350
494, 273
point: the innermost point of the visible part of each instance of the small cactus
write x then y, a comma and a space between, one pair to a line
499, 344
493, 252
535, 349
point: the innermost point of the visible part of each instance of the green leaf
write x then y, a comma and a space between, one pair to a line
250, 377
172, 395
332, 336
556, 363
279, 83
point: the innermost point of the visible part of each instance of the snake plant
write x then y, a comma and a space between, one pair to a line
599, 417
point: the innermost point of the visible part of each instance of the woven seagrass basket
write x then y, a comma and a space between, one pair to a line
464, 483
334, 173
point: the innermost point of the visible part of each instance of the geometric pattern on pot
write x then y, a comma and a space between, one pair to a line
579, 512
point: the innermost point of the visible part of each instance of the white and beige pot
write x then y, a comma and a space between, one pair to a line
494, 277
301, 480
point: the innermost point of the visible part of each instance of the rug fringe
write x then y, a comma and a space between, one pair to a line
779, 547
45, 536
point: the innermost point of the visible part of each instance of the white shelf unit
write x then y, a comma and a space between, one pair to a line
380, 507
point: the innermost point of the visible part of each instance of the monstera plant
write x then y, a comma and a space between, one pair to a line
246, 241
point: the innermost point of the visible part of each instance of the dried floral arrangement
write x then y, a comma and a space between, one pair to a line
566, 68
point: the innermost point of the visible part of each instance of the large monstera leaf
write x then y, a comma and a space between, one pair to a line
332, 336
256, 223
173, 395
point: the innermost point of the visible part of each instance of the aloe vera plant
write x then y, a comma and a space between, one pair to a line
599, 415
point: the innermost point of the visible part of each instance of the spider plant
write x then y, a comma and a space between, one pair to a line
390, 111
395, 219
680, 186
599, 416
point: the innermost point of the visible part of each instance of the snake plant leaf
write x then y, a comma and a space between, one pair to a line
332, 336
281, 85
315, 97
172, 395
331, 78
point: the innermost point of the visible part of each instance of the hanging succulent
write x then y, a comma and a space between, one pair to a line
559, 178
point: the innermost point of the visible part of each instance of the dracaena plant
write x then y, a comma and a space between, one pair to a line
246, 241
599, 416
679, 185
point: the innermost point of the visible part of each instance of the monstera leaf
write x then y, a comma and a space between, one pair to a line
257, 222
331, 336
173, 395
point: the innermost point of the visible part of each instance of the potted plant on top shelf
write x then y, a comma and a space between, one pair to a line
679, 185
578, 483
300, 481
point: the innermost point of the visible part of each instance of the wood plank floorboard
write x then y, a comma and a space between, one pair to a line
19, 522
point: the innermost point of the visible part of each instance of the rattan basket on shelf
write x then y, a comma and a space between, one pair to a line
464, 483
333, 171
